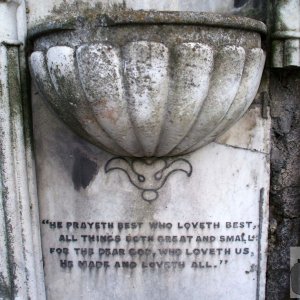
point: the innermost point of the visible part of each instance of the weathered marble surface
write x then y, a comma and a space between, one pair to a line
250, 132
156, 90
21, 273
286, 35
53, 8
228, 184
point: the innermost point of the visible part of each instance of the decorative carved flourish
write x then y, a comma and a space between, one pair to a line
149, 174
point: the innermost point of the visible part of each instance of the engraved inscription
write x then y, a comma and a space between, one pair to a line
111, 245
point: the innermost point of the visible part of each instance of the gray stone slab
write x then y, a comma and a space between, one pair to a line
225, 198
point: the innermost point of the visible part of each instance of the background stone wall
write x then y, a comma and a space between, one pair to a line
284, 229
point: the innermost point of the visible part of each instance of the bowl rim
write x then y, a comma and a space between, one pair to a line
141, 17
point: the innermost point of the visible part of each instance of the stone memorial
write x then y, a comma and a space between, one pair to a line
151, 137
150, 208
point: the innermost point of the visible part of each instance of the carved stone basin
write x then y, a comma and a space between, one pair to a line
149, 84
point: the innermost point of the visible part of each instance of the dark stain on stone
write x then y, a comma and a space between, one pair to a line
284, 230
5, 290
84, 170
239, 3
257, 3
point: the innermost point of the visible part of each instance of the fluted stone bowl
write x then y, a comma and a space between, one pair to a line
150, 84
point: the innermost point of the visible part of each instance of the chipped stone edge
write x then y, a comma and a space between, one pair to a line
131, 17
286, 35
21, 275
